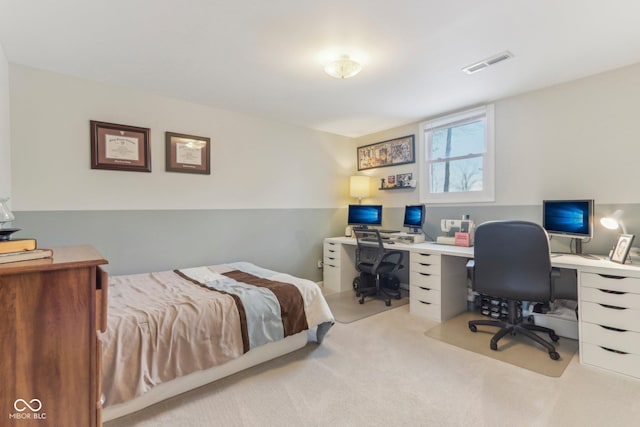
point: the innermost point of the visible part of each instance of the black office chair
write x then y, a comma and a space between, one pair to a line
376, 265
512, 261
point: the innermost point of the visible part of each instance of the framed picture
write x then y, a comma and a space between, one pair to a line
120, 147
188, 153
393, 152
404, 179
391, 181
622, 247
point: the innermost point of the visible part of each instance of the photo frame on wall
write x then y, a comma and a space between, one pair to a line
188, 153
398, 151
120, 147
622, 247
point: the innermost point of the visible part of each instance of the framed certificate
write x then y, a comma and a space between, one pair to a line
188, 153
120, 147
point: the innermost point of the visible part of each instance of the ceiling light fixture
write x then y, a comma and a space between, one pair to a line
343, 68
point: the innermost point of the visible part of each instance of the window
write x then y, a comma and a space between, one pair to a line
458, 165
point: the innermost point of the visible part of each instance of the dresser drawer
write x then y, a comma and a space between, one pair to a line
332, 250
431, 281
425, 258
425, 309
331, 260
624, 363
102, 298
610, 297
625, 318
627, 341
425, 294
613, 283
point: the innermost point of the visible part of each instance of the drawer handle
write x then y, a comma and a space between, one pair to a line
424, 274
426, 289
424, 302
613, 351
329, 265
607, 291
331, 250
612, 328
609, 276
424, 254
613, 307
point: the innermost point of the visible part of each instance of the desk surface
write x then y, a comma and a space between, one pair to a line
599, 266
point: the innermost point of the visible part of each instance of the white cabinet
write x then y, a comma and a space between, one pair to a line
610, 322
338, 267
437, 285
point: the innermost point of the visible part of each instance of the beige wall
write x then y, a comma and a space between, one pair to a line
575, 140
256, 163
5, 152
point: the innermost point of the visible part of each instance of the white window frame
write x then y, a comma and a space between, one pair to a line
488, 174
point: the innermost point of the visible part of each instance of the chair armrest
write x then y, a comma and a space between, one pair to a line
555, 273
471, 263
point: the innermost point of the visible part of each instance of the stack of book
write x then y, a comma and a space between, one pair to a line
21, 250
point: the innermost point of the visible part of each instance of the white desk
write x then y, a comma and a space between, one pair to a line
608, 295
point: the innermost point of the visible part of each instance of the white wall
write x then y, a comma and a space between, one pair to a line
255, 163
5, 146
576, 140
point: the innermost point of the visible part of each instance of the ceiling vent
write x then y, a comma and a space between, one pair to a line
481, 65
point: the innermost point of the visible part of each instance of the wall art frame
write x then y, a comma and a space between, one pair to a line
393, 152
120, 147
188, 153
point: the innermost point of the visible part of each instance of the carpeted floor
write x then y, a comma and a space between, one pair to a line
384, 371
346, 308
518, 350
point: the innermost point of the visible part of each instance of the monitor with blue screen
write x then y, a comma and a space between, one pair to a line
365, 215
414, 217
570, 218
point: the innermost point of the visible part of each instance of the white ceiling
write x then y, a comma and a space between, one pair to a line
266, 57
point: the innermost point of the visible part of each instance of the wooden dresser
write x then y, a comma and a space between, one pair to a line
51, 310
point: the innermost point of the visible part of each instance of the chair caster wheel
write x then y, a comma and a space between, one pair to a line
554, 337
493, 346
398, 296
554, 355
361, 300
387, 303
473, 328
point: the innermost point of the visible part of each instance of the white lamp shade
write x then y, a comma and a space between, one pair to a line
359, 186
614, 221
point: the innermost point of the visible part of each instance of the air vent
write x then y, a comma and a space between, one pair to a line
480, 65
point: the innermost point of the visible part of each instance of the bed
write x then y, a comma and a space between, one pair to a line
171, 331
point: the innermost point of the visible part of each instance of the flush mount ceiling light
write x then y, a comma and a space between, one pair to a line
343, 68
481, 65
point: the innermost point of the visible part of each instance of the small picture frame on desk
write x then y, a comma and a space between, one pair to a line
622, 247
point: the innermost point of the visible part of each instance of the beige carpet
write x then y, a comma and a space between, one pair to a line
346, 307
518, 351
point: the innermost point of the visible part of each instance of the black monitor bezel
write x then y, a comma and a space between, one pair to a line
377, 224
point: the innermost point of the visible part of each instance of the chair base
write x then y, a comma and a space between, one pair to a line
376, 291
516, 327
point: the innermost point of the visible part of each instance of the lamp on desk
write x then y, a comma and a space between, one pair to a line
614, 221
359, 187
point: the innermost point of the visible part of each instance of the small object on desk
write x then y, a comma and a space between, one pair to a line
446, 240
462, 239
7, 246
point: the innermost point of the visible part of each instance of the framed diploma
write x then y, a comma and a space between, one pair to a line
188, 153
120, 147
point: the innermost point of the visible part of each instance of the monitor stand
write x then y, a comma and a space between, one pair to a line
414, 230
579, 250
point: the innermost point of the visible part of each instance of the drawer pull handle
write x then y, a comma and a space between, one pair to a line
607, 291
612, 328
613, 351
329, 265
424, 274
425, 264
613, 307
609, 276
424, 302
426, 289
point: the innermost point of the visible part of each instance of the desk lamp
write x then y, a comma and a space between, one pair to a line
614, 221
5, 216
359, 187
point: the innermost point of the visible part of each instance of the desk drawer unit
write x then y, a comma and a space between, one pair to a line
437, 285
610, 322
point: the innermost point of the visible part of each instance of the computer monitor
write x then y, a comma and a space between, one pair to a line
414, 216
365, 215
569, 218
